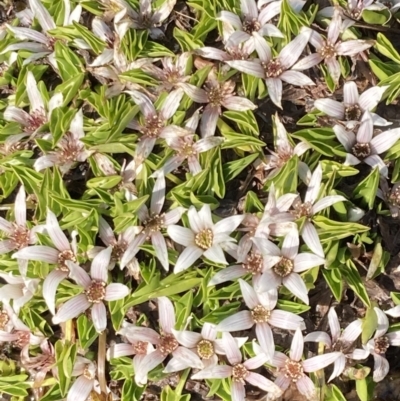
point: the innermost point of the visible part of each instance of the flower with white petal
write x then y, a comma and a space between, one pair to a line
296, 5
353, 105
203, 238
215, 95
85, 372
166, 343
181, 140
153, 221
288, 264
239, 371
63, 252
310, 207
153, 121
292, 369
328, 50
382, 340
95, 292
69, 149
6, 317
263, 315
338, 341
38, 114
364, 146
274, 70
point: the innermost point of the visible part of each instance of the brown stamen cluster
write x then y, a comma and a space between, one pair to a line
154, 223
87, 372
153, 126
272, 69
70, 149
355, 13
254, 263
293, 370
23, 339
251, 25
140, 348
36, 120
20, 237
302, 210
328, 51
204, 239
361, 150
96, 292
205, 349
167, 344
342, 346
352, 113
284, 267
237, 54
187, 150
4, 319
381, 345
63, 256
239, 373
260, 314
393, 197
218, 93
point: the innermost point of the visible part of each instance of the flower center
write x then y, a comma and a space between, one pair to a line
167, 344
70, 148
204, 239
218, 93
154, 223
254, 263
284, 267
20, 237
36, 120
260, 314
293, 370
63, 257
251, 25
355, 13
140, 348
239, 372
272, 68
361, 150
381, 345
96, 292
302, 210
352, 113
187, 150
342, 346
172, 75
237, 54
328, 50
153, 126
4, 319
393, 197
205, 349
88, 372
23, 338
118, 250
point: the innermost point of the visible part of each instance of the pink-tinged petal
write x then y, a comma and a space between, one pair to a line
136, 333
279, 359
338, 367
8, 337
207, 143
187, 258
334, 27
296, 78
209, 120
237, 38
248, 67
56, 234
267, 247
295, 284
296, 348
381, 368
213, 53
238, 392
314, 185
379, 121
350, 94
198, 95
181, 235
106, 233
376, 162
76, 126
352, 331
242, 320
215, 254
263, 383
215, 372
228, 274
80, 389
306, 387
317, 40
71, 309
196, 222
383, 323
290, 246
292, 51
237, 103
209, 331
39, 253
6, 246
43, 16
304, 261
310, 237
99, 267
10, 291
308, 62
262, 48
319, 337
270, 280
366, 129
353, 47
384, 141
394, 312
351, 160
232, 350
249, 9
188, 339
282, 381
132, 250
274, 86
333, 68
166, 314
50, 286
144, 148
249, 295
320, 361
258, 360
334, 324
346, 138
160, 246
145, 104
270, 11
35, 98
327, 202
359, 354
270, 30
370, 98
20, 116
78, 274
99, 317
286, 320
228, 225
394, 338
171, 104
330, 107
230, 18
266, 339
27, 34
183, 359
116, 291
119, 350
20, 207
148, 363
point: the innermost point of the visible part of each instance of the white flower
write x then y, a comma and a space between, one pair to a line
85, 372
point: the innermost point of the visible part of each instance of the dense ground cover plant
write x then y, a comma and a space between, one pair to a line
199, 200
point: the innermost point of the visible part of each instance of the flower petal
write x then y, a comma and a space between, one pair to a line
232, 350
319, 337
238, 392
160, 246
304, 261
100, 263
181, 235
166, 314
227, 274
187, 258
263, 383
346, 138
290, 246
50, 286
115, 291
292, 51
330, 107
99, 317
39, 253
295, 284
248, 67
71, 309
381, 367
327, 202
338, 367
296, 348
370, 98
311, 238
215, 372
274, 86
215, 254
320, 362
384, 141
35, 98
171, 104
56, 234
239, 321
249, 295
188, 339
80, 389
182, 359
286, 320
266, 339
296, 78
366, 129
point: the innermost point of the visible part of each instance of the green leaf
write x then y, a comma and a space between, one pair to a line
187, 41
70, 88
334, 394
69, 64
385, 47
234, 168
87, 334
286, 180
334, 279
354, 281
245, 121
65, 359
93, 41
367, 188
369, 324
